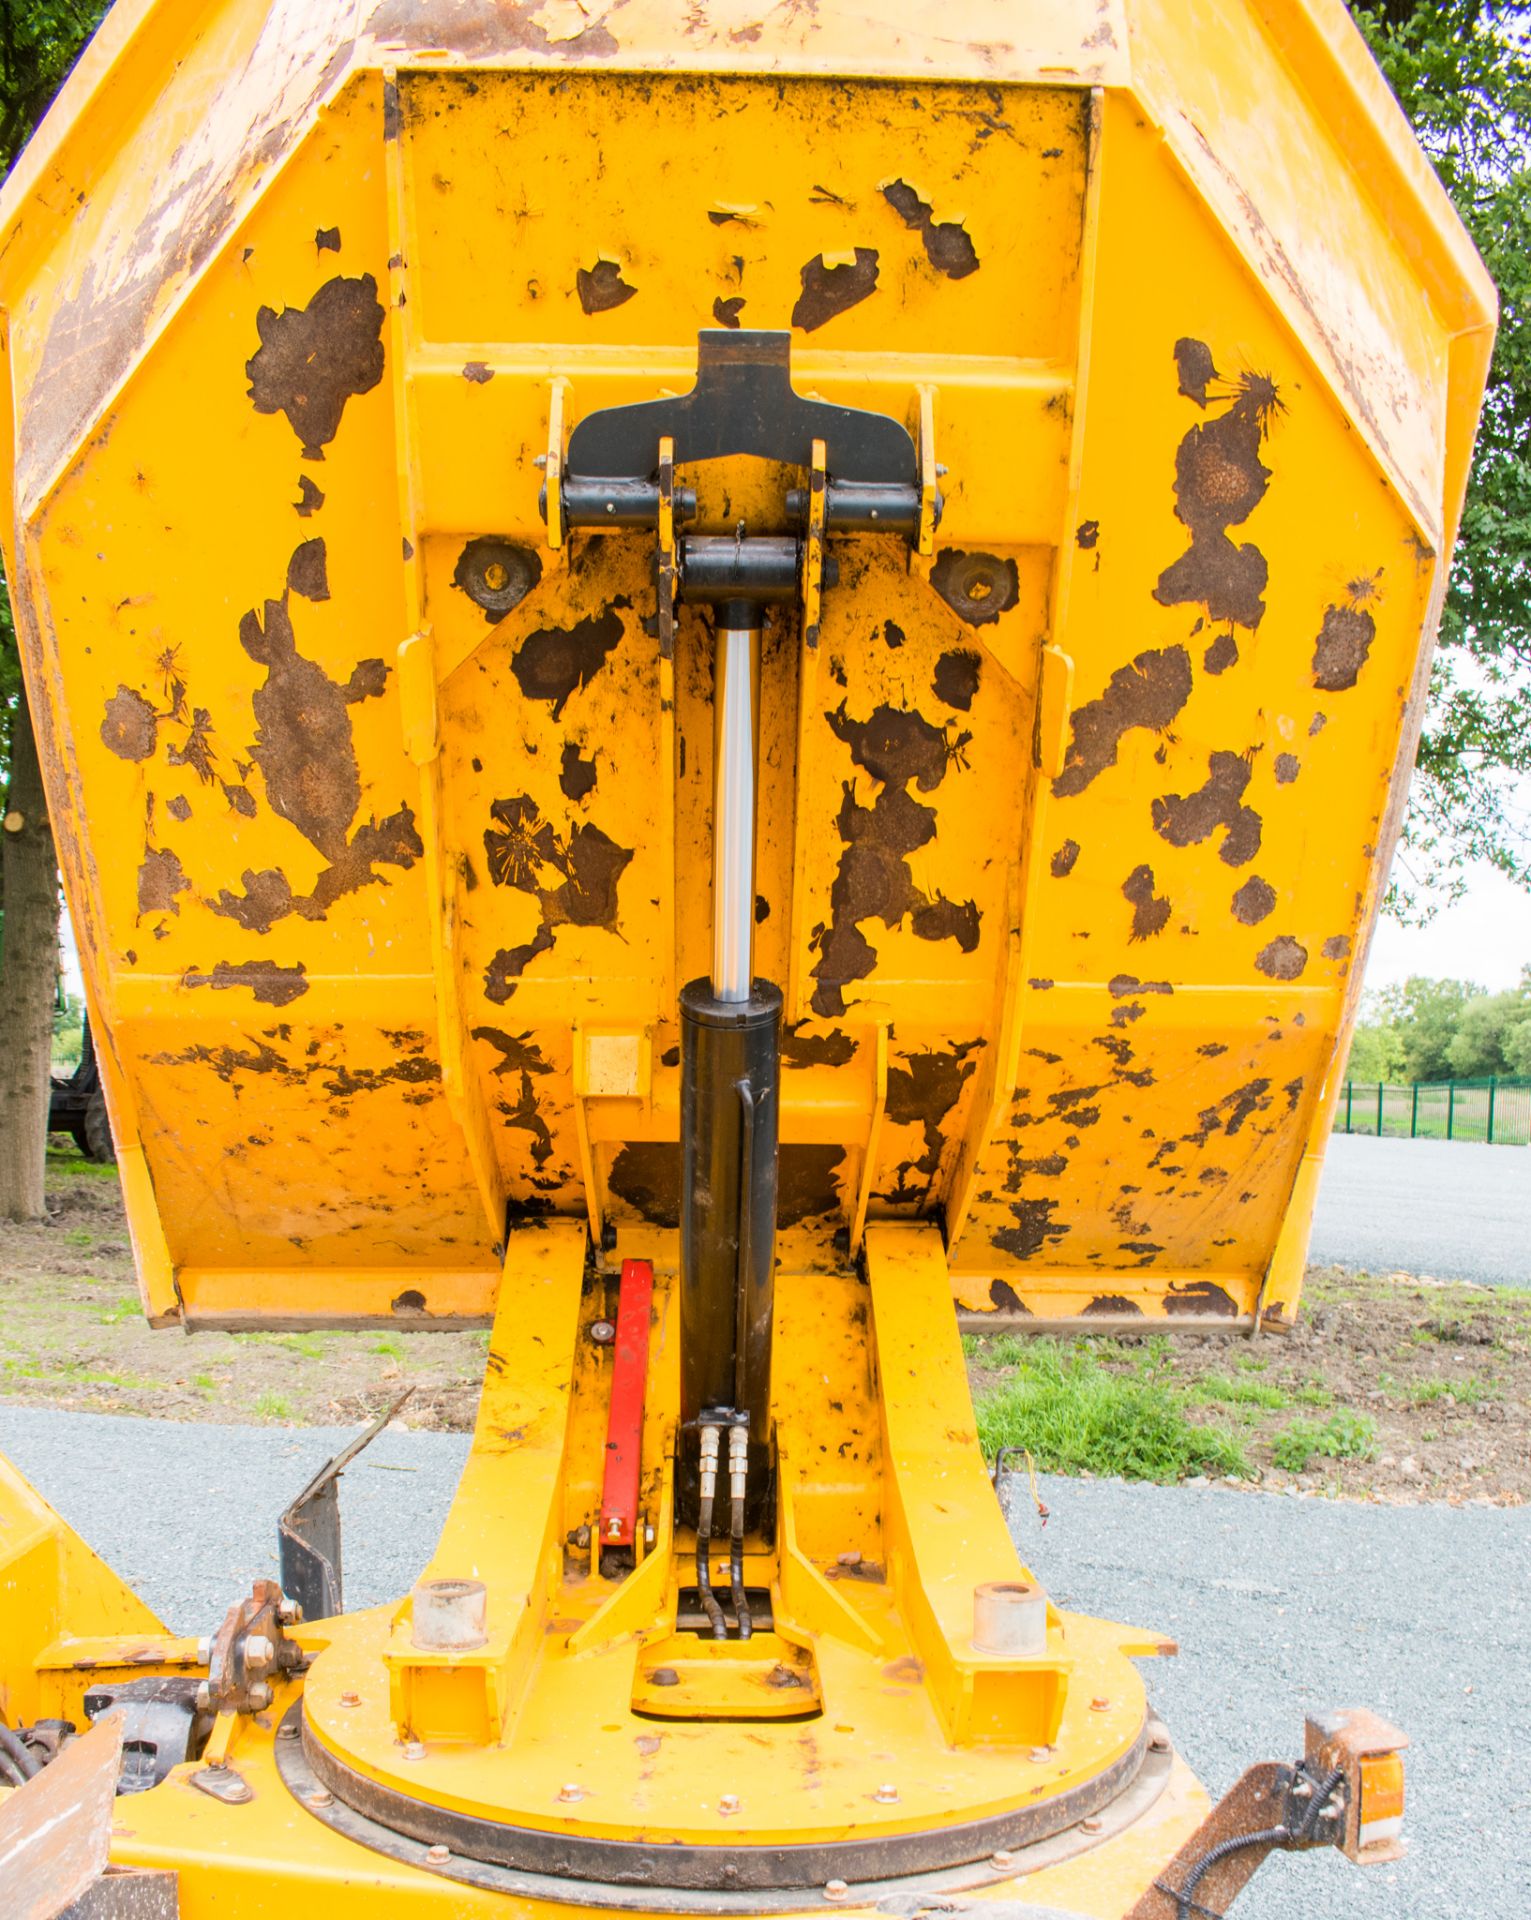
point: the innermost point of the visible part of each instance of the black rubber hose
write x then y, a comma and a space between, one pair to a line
704, 1590
19, 1754
1186, 1904
736, 1568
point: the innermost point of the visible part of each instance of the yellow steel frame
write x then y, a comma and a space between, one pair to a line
1091, 928
384, 904
871, 1571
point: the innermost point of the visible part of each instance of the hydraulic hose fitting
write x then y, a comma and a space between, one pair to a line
708, 1488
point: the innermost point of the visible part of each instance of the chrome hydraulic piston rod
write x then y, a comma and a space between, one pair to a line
733, 829
730, 1066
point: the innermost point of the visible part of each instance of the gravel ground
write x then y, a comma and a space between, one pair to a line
1455, 1210
1279, 1605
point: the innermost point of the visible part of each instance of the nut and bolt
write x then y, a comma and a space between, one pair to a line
288, 1612
729, 1803
321, 1797
1159, 1743
413, 1750
614, 1527
582, 1537
571, 1792
836, 1890
886, 1795
1041, 1755
438, 1855
288, 1730
260, 1697
204, 1649
1092, 1825
204, 1698
1002, 1861
1100, 1706
350, 1699
602, 1332
259, 1651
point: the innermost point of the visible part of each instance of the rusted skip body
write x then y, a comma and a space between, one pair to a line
766, 651
1073, 830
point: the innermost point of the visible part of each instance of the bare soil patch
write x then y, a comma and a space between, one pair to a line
1391, 1387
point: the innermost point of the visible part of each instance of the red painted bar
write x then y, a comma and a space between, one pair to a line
624, 1425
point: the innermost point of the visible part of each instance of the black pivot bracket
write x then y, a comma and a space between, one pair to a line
865, 476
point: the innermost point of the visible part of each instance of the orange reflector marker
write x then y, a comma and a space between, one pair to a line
1381, 1811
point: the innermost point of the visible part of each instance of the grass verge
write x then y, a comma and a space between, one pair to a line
1073, 1415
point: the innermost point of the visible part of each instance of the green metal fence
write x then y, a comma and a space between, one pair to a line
1498, 1111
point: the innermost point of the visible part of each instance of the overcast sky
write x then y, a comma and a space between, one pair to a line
1485, 936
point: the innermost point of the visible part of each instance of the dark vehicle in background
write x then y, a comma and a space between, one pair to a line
78, 1106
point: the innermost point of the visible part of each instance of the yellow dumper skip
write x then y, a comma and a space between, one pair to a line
384, 785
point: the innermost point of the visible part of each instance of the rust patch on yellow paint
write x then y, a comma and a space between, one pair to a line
1199, 1296
573, 880
799, 1049
1219, 481
274, 986
312, 360
1188, 819
1255, 901
308, 571
1148, 692
874, 880
131, 726
601, 287
576, 774
1222, 654
1034, 1230
160, 879
1339, 653
948, 245
921, 1092
554, 662
1110, 1303
957, 678
828, 291
1063, 860
1283, 959
1151, 910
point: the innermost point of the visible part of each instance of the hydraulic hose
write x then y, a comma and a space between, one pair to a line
738, 1468
19, 1754
1289, 1834
736, 1569
704, 1590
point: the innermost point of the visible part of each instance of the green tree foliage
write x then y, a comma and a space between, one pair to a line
1376, 1052
1517, 1050
39, 42
1425, 1014
1442, 1030
1462, 72
1488, 1038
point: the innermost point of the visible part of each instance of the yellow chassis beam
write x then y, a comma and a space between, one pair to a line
886, 1524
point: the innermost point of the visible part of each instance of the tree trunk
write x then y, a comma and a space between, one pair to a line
28, 976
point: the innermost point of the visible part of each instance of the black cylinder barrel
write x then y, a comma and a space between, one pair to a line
729, 1095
